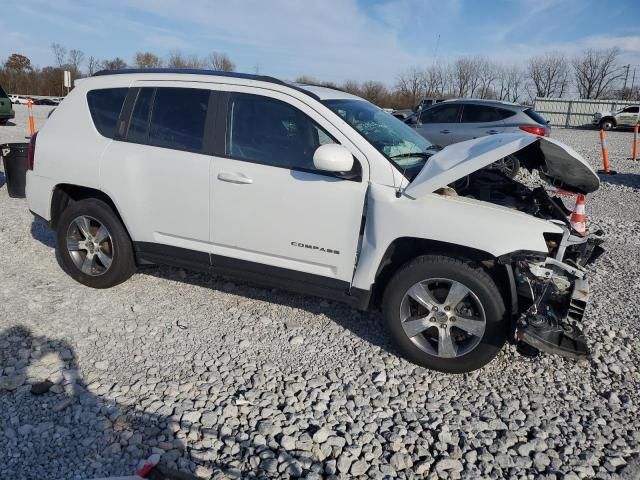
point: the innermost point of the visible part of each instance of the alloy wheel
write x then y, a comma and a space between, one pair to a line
443, 317
90, 245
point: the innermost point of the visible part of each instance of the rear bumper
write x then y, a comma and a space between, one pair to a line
7, 116
39, 190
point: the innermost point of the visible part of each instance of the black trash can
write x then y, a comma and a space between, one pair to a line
14, 156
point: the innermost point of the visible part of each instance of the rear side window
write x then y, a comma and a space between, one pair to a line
139, 125
441, 114
504, 113
105, 106
178, 118
2, 92
535, 116
479, 114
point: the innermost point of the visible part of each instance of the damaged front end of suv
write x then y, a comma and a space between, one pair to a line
549, 290
551, 294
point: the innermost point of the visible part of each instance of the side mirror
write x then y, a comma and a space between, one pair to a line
333, 158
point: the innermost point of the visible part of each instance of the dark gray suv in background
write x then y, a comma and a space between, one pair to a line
454, 121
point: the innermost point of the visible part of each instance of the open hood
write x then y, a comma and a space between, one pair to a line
557, 163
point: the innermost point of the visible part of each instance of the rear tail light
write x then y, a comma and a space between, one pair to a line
540, 131
32, 151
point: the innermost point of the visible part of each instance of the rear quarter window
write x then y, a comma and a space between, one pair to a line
2, 92
535, 116
504, 113
105, 106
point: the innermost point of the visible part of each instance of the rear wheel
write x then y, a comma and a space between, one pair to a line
607, 124
445, 314
93, 245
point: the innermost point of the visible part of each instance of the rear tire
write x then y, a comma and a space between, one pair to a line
93, 245
455, 339
607, 124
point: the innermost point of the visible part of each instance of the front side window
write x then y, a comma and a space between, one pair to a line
272, 132
479, 114
178, 118
630, 110
441, 114
105, 106
401, 144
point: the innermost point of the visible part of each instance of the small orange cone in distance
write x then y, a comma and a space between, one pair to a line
578, 217
32, 126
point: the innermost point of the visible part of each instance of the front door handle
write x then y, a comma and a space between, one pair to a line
445, 131
492, 132
234, 177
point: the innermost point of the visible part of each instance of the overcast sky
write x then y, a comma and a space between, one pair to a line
328, 39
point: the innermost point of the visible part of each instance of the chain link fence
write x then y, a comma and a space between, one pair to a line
562, 112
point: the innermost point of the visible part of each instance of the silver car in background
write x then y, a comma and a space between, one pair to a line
454, 121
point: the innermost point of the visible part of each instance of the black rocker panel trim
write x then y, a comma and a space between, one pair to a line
292, 280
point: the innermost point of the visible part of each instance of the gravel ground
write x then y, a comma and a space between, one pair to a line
227, 379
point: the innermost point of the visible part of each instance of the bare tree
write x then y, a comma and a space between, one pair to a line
465, 77
375, 92
147, 60
114, 64
596, 71
93, 64
60, 53
352, 87
549, 74
307, 79
219, 61
410, 86
75, 58
177, 59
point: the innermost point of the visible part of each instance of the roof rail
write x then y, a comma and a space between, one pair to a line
196, 71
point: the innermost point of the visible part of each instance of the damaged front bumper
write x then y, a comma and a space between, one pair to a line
552, 295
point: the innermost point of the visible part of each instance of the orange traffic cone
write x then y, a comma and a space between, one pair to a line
578, 217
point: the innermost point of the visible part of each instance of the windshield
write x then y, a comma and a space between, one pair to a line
401, 144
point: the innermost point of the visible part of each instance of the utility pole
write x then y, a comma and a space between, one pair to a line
633, 80
626, 77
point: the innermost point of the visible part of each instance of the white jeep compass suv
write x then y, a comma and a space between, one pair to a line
321, 192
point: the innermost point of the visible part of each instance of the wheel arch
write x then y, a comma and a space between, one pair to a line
67, 193
404, 249
611, 118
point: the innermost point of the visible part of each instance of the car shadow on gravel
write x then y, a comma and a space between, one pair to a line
366, 325
41, 231
57, 424
3, 179
623, 179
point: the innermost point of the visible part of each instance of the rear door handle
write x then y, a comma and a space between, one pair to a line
492, 132
234, 177
445, 131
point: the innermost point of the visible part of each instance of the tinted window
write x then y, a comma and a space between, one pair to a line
631, 110
272, 132
139, 124
105, 106
535, 116
479, 114
2, 92
178, 118
504, 113
441, 114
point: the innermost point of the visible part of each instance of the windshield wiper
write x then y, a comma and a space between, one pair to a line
416, 154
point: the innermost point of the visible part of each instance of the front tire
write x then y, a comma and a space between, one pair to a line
93, 245
445, 314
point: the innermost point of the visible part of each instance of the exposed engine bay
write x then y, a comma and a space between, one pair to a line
495, 187
550, 291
